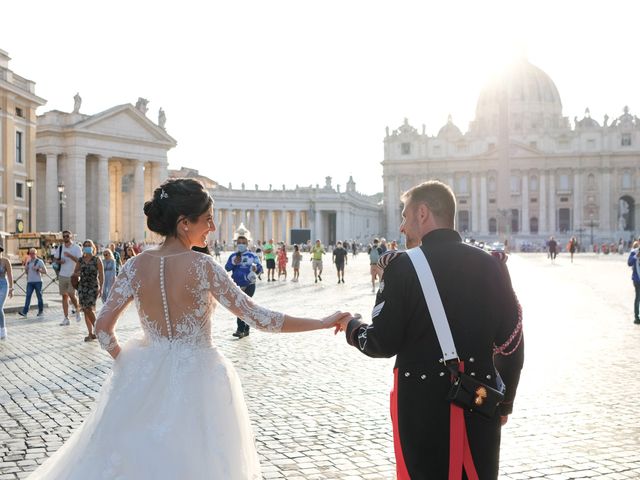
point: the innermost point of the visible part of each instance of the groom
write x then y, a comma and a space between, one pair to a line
430, 441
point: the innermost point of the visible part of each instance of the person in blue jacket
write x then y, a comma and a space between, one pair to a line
245, 267
635, 276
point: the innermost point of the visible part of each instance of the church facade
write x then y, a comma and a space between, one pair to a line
93, 172
523, 171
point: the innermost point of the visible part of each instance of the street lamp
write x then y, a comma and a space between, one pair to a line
29, 183
60, 201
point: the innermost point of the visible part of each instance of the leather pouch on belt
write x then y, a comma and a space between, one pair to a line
475, 396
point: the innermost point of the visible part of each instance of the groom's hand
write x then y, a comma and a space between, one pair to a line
342, 325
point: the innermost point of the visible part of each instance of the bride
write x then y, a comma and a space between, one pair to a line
172, 408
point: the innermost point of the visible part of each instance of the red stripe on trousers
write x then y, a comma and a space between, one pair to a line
401, 467
459, 451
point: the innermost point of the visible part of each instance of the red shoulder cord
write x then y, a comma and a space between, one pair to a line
459, 451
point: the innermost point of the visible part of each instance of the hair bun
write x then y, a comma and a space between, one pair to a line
155, 218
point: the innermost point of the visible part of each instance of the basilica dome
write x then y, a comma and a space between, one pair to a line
531, 96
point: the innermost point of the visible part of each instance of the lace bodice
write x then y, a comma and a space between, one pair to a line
176, 296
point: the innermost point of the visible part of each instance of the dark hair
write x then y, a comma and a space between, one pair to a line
66, 231
242, 237
435, 195
176, 198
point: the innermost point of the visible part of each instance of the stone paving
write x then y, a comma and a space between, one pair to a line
320, 409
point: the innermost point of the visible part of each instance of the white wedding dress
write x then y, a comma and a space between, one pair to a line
172, 408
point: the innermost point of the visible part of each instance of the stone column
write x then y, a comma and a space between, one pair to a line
257, 234
75, 209
104, 202
524, 225
268, 223
605, 202
52, 207
577, 201
283, 226
543, 227
474, 204
296, 219
228, 235
317, 226
484, 222
553, 222
137, 206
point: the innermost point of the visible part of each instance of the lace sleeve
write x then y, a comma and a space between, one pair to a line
234, 299
119, 298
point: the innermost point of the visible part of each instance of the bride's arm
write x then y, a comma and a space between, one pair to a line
236, 301
119, 298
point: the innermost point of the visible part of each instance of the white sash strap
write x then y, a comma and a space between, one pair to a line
434, 303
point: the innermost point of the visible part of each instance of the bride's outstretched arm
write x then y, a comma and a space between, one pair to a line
119, 298
234, 299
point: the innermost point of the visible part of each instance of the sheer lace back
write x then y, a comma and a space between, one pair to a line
175, 296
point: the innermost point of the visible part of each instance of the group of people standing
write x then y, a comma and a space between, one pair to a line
83, 275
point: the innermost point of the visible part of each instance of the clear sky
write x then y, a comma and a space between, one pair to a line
288, 92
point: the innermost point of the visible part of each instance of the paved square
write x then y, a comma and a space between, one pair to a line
320, 409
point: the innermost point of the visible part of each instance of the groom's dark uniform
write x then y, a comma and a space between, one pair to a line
483, 313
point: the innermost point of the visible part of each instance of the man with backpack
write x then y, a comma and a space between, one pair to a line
374, 255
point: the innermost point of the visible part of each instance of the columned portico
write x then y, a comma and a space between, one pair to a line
109, 163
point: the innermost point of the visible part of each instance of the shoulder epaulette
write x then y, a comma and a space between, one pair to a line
387, 257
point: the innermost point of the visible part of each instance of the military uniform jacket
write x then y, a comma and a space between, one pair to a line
483, 314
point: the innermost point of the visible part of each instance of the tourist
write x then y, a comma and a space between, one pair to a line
68, 255
374, 252
296, 257
91, 272
316, 259
244, 266
34, 268
6, 289
282, 261
109, 264
270, 258
634, 262
339, 259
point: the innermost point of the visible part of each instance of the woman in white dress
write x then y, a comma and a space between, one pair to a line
172, 408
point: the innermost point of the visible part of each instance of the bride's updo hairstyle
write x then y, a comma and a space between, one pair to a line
173, 201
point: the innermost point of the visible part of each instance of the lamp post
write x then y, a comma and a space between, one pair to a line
60, 201
29, 183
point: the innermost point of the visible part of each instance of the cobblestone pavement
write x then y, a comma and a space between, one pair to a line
320, 409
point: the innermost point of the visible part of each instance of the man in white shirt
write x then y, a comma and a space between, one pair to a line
67, 255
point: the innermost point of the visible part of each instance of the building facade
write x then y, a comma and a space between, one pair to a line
18, 104
523, 171
107, 165
329, 213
